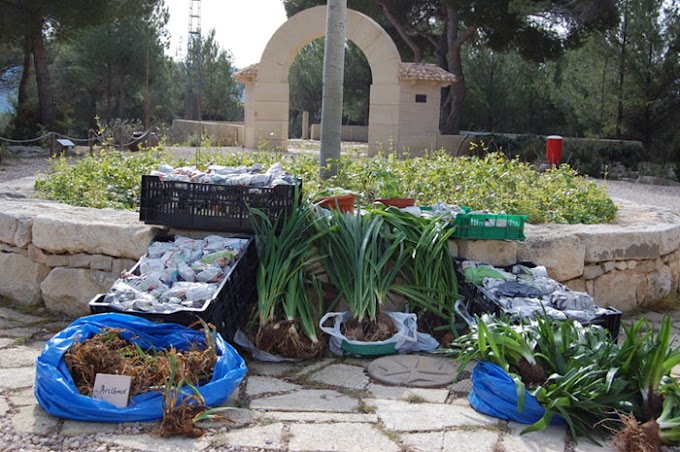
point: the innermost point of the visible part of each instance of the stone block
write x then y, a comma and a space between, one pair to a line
616, 289
645, 266
75, 230
99, 262
629, 241
495, 252
39, 255
659, 285
577, 285
120, 265
56, 260
453, 248
562, 256
68, 291
16, 221
621, 265
80, 260
20, 279
608, 266
592, 271
640, 288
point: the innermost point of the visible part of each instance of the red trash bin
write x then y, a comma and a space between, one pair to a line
553, 152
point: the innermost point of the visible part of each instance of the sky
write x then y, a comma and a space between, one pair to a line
242, 27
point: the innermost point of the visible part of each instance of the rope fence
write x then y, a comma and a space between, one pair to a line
92, 139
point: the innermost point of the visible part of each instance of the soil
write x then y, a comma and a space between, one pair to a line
533, 375
381, 329
284, 339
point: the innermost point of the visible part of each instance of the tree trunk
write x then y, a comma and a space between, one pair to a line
42, 75
25, 76
622, 71
453, 95
331, 102
417, 51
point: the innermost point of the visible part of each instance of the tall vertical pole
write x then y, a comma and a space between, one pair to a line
333, 73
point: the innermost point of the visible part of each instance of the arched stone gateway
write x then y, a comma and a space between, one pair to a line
404, 97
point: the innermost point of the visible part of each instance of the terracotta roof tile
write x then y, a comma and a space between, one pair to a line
248, 73
407, 71
424, 71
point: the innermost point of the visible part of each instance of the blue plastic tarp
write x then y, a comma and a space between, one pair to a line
494, 393
57, 394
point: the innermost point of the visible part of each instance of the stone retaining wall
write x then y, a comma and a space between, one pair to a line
62, 256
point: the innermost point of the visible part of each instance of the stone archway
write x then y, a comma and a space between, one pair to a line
267, 91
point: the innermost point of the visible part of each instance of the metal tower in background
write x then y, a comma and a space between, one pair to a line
192, 99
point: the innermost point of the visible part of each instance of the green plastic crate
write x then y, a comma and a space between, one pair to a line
480, 226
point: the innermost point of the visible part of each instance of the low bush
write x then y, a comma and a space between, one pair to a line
493, 182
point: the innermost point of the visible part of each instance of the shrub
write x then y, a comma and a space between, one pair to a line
493, 182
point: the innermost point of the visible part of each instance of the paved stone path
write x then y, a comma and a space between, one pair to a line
330, 404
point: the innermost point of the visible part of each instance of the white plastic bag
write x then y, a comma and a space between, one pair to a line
407, 339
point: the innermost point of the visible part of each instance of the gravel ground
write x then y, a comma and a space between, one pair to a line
35, 161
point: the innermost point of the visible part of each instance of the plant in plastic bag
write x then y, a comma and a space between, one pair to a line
583, 383
362, 258
286, 284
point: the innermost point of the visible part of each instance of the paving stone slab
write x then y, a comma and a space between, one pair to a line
256, 386
339, 436
18, 357
154, 443
22, 397
4, 406
469, 440
11, 315
400, 393
78, 428
310, 367
412, 370
34, 420
21, 377
235, 418
264, 437
308, 400
420, 417
462, 386
316, 417
270, 369
551, 439
475, 440
342, 375
586, 446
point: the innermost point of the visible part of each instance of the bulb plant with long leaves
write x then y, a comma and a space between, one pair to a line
572, 370
428, 276
287, 287
362, 259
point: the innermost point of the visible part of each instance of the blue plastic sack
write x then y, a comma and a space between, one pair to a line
57, 394
494, 393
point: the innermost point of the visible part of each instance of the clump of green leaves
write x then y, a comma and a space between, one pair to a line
492, 182
107, 179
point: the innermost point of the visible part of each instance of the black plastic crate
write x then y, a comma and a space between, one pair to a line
211, 206
229, 309
478, 302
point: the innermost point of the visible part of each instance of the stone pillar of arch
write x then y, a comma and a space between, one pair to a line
266, 115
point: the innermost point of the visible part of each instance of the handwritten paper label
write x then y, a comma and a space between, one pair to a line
114, 389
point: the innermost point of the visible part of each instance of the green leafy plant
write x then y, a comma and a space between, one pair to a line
573, 371
284, 275
492, 182
428, 276
362, 260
